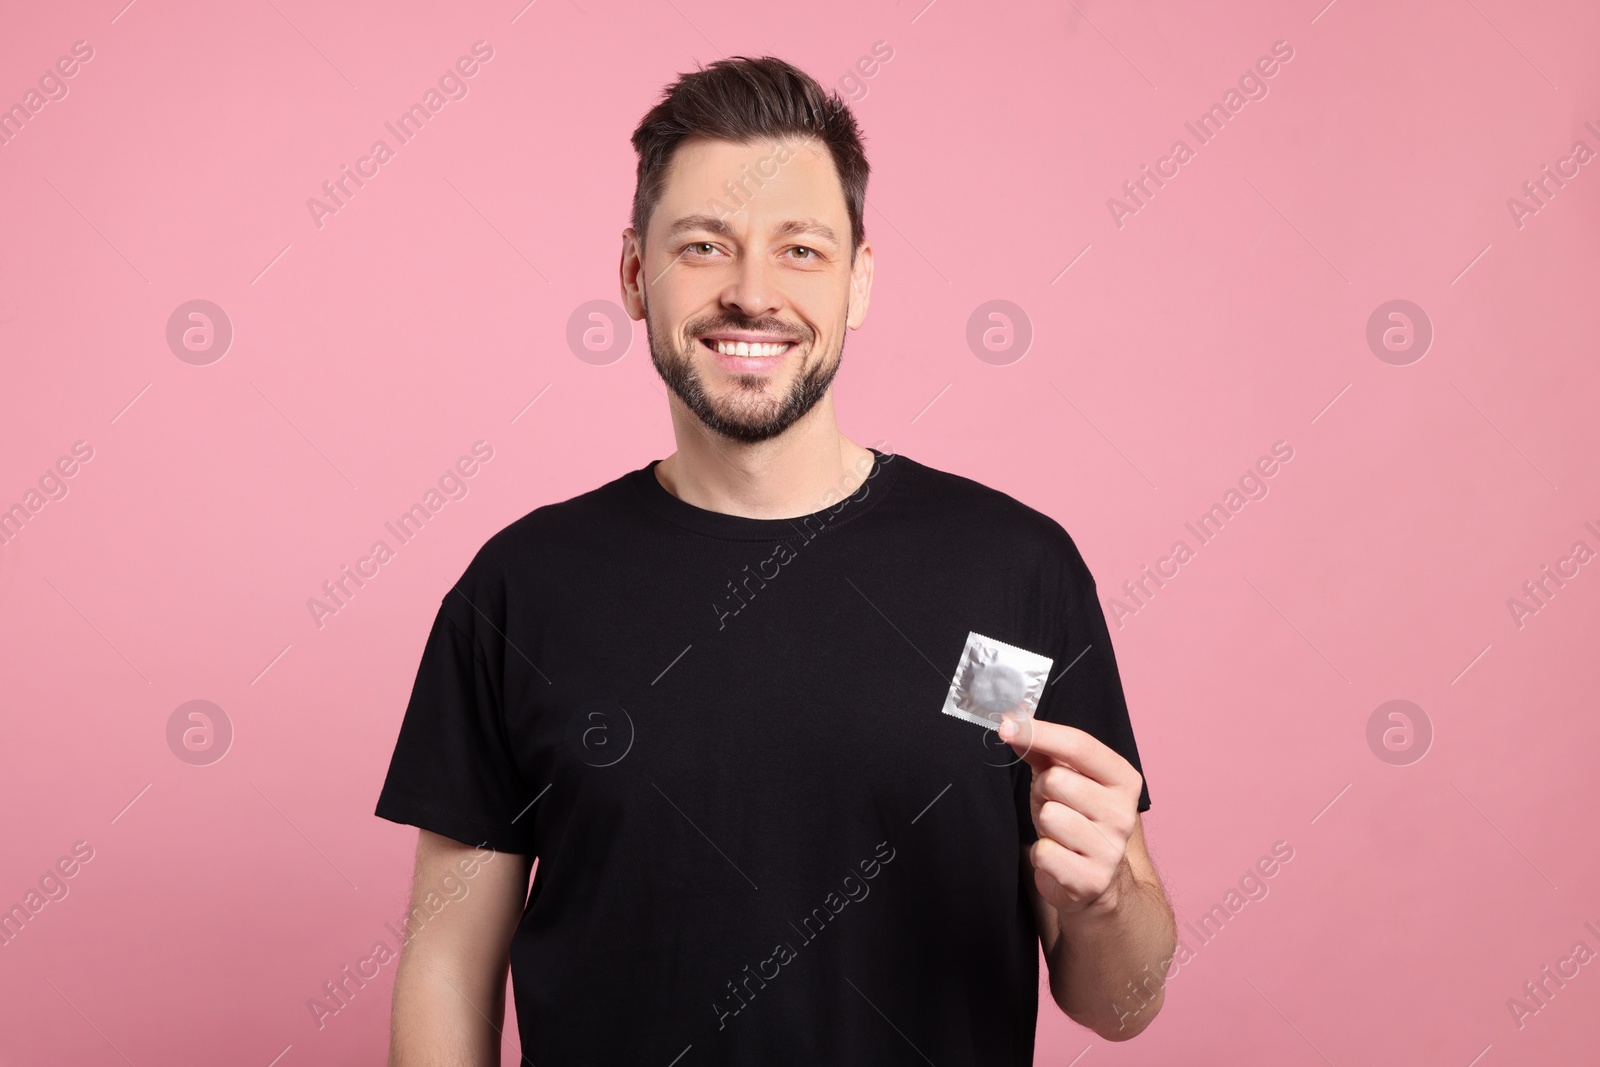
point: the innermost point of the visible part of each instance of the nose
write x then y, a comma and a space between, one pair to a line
754, 288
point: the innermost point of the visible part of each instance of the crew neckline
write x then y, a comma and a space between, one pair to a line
718, 524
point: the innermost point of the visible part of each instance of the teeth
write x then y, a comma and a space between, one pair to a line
743, 348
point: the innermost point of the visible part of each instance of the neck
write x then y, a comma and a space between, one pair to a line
809, 467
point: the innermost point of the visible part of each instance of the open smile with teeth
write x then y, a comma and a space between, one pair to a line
747, 349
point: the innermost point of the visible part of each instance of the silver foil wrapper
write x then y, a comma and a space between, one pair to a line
994, 678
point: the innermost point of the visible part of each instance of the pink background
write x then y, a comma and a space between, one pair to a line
1229, 313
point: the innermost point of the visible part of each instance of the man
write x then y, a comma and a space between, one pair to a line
707, 695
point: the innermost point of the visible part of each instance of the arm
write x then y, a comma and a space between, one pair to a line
1107, 961
449, 990
1103, 917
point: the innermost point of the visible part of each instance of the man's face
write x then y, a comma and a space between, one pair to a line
746, 285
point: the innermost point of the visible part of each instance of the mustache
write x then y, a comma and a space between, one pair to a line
777, 330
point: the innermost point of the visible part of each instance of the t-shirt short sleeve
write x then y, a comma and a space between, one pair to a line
1085, 687
453, 771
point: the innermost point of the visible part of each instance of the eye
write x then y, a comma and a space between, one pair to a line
698, 245
809, 253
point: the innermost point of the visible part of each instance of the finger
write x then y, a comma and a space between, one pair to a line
1111, 813
1061, 871
1044, 743
1062, 784
1072, 830
1019, 733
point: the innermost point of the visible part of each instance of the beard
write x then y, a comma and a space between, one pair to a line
749, 414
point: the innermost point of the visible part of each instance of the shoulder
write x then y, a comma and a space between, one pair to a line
1000, 522
547, 541
549, 525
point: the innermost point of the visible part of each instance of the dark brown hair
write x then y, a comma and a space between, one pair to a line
748, 100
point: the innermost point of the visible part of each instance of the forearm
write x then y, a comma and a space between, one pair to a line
450, 988
444, 1015
1108, 968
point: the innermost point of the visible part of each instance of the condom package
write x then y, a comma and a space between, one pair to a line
994, 678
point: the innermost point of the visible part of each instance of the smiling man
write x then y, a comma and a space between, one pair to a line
707, 696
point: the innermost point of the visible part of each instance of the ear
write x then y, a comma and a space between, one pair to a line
631, 273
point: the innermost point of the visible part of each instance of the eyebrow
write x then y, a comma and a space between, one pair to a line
720, 227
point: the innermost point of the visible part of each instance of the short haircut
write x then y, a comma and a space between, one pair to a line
746, 101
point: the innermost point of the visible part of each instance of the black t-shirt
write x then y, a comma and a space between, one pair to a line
759, 839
